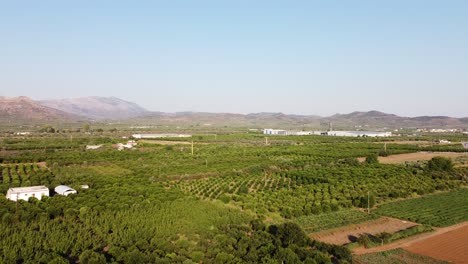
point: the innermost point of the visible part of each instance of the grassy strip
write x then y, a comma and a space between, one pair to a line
396, 256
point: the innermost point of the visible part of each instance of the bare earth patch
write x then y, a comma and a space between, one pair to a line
342, 235
450, 246
42, 164
402, 158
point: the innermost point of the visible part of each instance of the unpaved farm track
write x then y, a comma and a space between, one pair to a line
447, 243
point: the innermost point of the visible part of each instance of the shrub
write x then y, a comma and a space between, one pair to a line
372, 159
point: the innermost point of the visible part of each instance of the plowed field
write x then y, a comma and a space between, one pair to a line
451, 246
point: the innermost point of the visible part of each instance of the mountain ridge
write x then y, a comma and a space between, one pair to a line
113, 108
96, 107
22, 108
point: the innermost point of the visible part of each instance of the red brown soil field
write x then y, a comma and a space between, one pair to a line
341, 235
451, 246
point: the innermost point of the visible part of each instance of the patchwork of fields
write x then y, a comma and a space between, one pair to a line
240, 193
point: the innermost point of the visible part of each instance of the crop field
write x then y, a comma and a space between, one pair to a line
226, 202
396, 256
18, 175
301, 187
451, 246
437, 210
315, 223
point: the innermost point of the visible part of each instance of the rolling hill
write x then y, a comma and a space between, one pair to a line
99, 108
111, 108
373, 119
24, 110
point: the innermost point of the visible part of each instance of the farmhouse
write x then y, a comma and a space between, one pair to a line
24, 193
64, 190
130, 144
93, 146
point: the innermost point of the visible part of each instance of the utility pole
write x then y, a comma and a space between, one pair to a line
266, 141
192, 148
17, 211
385, 147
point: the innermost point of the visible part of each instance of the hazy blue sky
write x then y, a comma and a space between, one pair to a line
405, 57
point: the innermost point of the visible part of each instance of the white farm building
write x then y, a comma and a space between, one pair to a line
329, 133
24, 193
143, 136
359, 134
64, 190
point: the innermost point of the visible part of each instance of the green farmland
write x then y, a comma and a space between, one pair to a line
234, 200
437, 210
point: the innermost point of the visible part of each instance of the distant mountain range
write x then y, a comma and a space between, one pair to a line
25, 110
97, 107
18, 109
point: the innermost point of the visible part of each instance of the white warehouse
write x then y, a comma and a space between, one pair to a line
24, 193
270, 131
329, 133
143, 136
359, 134
282, 132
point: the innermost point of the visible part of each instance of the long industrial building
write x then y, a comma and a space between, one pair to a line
327, 133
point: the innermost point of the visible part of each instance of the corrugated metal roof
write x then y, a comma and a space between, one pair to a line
28, 189
61, 189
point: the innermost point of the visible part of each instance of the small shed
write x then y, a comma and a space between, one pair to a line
64, 190
24, 193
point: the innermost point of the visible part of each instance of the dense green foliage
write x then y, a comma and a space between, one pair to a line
437, 210
160, 203
440, 164
307, 189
